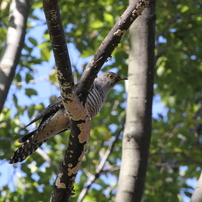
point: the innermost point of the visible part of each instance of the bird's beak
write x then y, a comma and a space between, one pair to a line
122, 78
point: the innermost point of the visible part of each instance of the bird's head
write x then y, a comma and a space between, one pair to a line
108, 80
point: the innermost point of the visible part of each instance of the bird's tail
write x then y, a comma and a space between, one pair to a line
28, 147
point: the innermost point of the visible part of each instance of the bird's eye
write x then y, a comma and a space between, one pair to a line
110, 76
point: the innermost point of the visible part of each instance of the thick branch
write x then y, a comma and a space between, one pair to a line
57, 37
76, 110
78, 140
10, 55
109, 44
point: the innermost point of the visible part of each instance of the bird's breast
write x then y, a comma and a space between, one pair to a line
95, 101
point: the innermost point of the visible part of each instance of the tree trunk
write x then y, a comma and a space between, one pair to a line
137, 132
10, 55
197, 195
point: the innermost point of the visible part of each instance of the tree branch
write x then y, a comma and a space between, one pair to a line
74, 105
76, 110
109, 44
10, 55
57, 37
47, 159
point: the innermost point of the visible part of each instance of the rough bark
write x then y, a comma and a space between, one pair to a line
137, 132
74, 97
77, 111
197, 195
10, 55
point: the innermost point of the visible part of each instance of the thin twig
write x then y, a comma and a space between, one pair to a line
47, 159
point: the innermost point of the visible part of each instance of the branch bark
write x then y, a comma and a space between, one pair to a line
77, 111
109, 44
10, 55
74, 98
137, 132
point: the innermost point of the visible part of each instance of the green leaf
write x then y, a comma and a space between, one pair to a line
29, 92
96, 24
18, 78
31, 110
33, 41
184, 9
45, 54
108, 18
28, 77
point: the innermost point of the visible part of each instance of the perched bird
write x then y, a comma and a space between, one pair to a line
55, 120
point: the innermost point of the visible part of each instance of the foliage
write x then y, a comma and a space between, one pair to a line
176, 142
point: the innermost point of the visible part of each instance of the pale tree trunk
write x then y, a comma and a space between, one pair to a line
197, 195
137, 134
10, 55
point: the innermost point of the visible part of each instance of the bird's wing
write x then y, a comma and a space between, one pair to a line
53, 114
52, 108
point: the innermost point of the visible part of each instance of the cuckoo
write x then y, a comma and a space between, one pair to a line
55, 120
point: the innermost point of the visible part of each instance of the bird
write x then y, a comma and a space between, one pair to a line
55, 120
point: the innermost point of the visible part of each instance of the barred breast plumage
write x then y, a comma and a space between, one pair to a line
95, 100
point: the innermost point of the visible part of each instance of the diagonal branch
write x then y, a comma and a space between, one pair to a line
109, 44
10, 55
